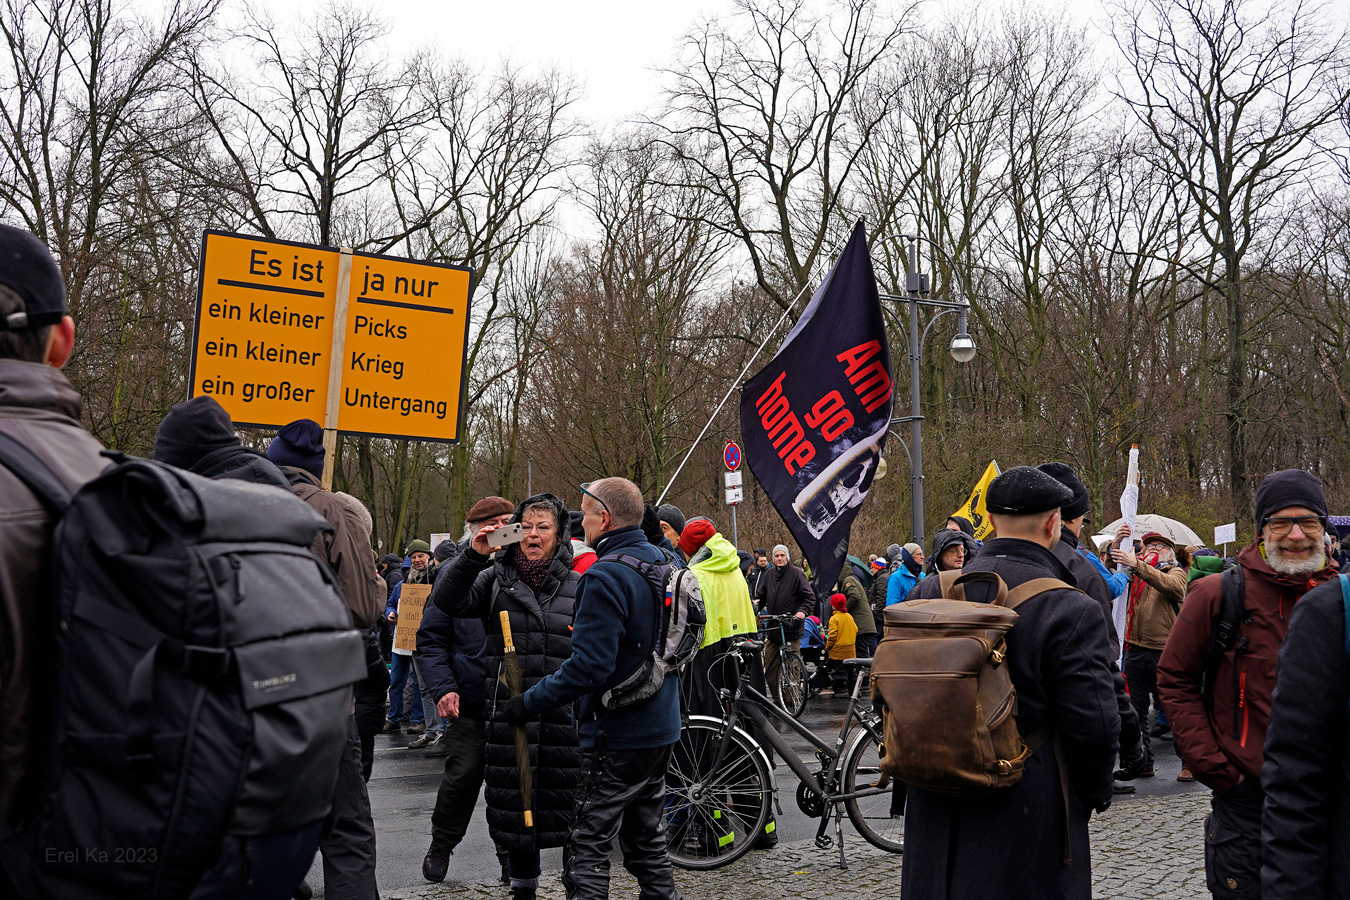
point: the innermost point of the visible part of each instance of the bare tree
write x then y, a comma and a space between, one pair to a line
1233, 95
764, 108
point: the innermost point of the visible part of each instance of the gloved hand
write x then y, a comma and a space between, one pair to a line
513, 711
651, 525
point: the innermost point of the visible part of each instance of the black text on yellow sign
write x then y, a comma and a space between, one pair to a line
265, 341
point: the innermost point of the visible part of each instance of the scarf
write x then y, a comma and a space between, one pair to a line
531, 571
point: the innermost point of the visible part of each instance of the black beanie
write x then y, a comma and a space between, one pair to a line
671, 515
1289, 487
300, 446
1062, 473
191, 430
1024, 491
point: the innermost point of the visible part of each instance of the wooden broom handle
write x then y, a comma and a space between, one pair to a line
506, 630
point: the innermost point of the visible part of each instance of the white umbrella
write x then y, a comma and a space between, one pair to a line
1179, 534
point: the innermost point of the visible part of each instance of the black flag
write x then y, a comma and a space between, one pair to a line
814, 420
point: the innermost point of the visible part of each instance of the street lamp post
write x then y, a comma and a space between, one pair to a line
962, 350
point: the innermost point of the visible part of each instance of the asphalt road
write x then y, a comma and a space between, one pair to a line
403, 792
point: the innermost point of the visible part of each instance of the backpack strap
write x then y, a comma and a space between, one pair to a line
958, 585
1225, 636
1033, 588
29, 468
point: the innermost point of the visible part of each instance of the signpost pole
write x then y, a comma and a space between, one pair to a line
734, 540
330, 418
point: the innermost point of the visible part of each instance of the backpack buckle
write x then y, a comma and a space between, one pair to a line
204, 663
1004, 767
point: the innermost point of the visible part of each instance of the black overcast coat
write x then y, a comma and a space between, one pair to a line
1305, 832
541, 627
1009, 843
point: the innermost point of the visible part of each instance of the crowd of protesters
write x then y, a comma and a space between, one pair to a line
1242, 662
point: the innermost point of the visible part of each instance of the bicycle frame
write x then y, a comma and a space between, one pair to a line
747, 702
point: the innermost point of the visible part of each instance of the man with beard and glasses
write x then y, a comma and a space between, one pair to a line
1220, 709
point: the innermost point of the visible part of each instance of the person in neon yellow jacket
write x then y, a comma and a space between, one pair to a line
726, 599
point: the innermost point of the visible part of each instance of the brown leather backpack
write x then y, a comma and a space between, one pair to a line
951, 709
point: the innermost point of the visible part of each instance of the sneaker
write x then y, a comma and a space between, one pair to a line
421, 742
435, 864
1185, 775
416, 728
1122, 787
436, 748
391, 727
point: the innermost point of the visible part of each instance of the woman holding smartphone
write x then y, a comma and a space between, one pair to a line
530, 578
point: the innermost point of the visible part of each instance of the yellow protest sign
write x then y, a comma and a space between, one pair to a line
264, 331
974, 509
411, 601
407, 327
362, 343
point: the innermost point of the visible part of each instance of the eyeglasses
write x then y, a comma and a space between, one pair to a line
585, 489
1281, 525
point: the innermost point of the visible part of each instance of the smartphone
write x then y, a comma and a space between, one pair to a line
507, 534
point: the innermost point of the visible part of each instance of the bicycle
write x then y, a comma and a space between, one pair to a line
793, 686
720, 784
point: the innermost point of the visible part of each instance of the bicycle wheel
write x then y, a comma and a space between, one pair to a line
714, 817
875, 816
792, 689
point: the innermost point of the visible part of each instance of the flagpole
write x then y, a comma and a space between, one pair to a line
737, 383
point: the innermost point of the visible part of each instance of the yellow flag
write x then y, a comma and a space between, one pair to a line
974, 507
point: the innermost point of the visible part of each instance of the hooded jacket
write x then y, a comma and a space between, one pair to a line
482, 587
903, 579
941, 541
40, 409
852, 588
1220, 737
346, 549
726, 596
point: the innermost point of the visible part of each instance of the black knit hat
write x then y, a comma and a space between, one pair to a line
444, 550
1062, 473
300, 446
1024, 491
671, 515
27, 268
1289, 487
191, 430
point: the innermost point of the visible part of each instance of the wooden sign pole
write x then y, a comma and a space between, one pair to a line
330, 419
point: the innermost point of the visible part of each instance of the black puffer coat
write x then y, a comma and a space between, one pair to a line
541, 627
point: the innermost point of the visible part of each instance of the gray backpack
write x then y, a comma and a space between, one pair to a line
678, 632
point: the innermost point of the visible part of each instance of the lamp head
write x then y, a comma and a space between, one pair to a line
963, 348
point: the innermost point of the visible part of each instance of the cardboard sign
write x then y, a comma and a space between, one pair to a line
410, 604
361, 343
264, 330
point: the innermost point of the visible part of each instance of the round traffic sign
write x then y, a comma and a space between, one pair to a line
732, 456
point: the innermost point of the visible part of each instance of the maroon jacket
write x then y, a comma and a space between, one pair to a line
1205, 731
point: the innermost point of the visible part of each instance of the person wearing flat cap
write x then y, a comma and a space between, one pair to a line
1013, 842
1221, 732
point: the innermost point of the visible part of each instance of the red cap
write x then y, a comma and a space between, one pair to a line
839, 602
1157, 536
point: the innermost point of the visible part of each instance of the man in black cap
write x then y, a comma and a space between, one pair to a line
1013, 842
1220, 731
40, 410
1133, 756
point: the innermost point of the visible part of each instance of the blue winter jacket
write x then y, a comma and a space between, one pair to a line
902, 581
449, 656
1116, 582
614, 604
